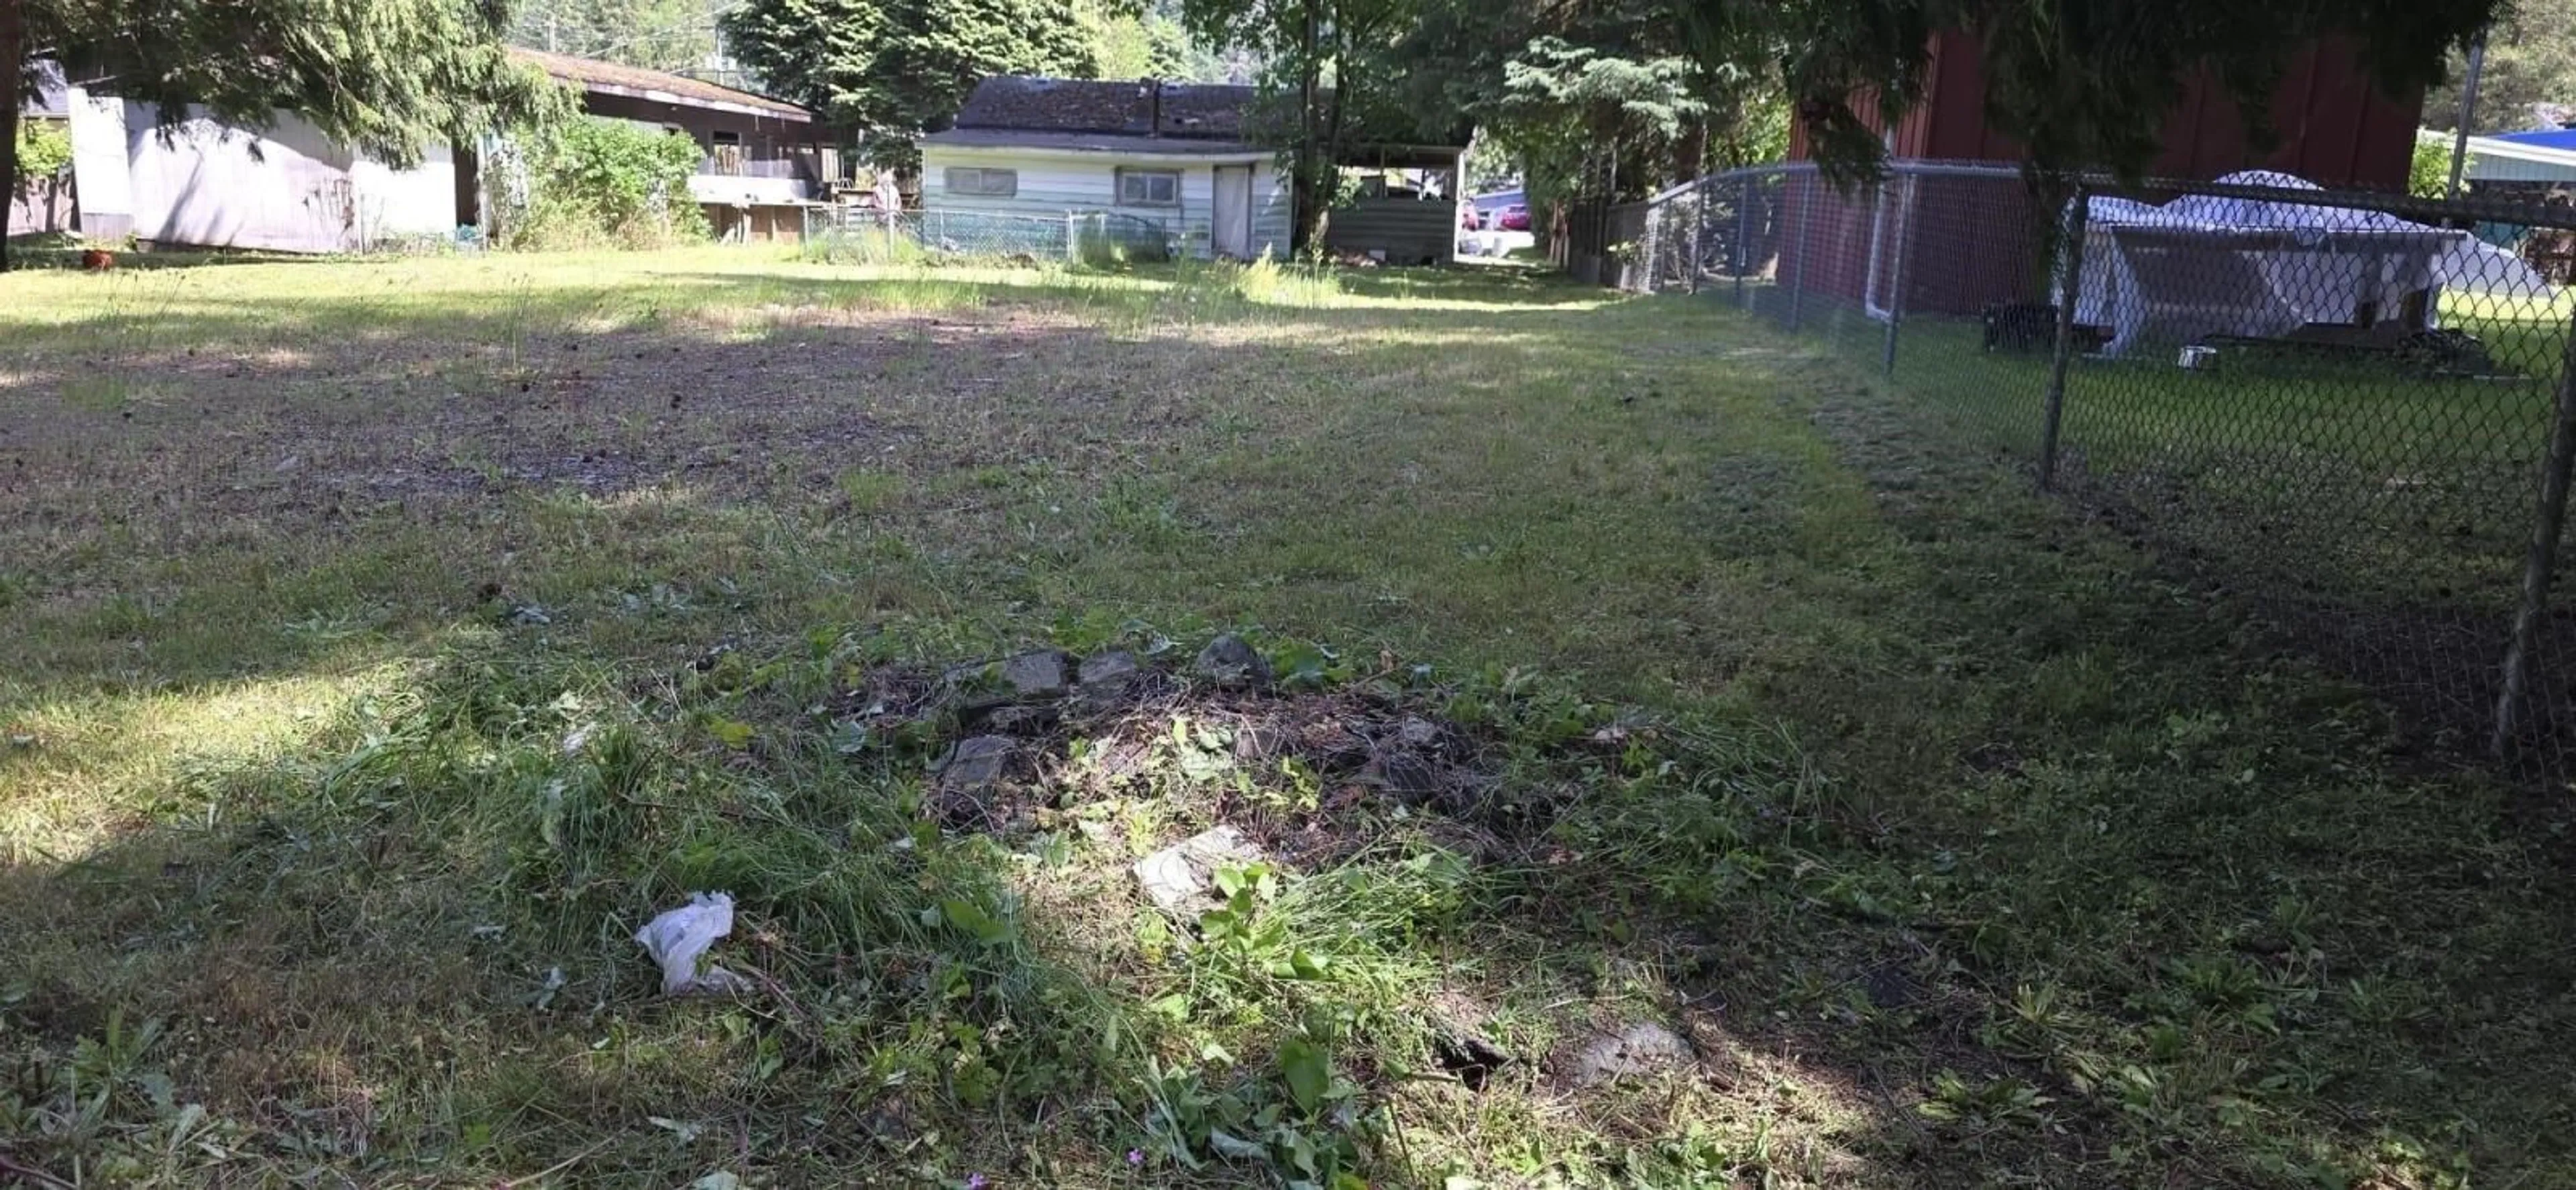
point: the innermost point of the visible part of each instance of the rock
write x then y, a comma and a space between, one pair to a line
1232, 662
970, 778
1041, 674
1035, 675
1407, 777
1109, 670
1178, 879
976, 763
1638, 1048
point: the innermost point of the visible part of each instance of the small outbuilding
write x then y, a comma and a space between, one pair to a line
1188, 161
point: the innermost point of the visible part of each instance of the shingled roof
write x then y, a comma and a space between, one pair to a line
609, 78
1190, 111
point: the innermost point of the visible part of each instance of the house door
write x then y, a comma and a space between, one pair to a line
1231, 234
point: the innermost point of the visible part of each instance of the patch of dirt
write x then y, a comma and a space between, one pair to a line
1308, 776
342, 424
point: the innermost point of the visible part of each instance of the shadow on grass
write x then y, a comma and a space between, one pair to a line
2051, 879
46, 254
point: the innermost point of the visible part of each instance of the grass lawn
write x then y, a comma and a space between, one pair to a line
2378, 516
387, 642
2343, 473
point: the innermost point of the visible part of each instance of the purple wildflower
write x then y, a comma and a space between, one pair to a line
976, 1181
1135, 1156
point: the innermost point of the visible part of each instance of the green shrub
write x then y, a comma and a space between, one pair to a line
1102, 244
1269, 282
44, 162
2428, 174
865, 245
44, 152
591, 182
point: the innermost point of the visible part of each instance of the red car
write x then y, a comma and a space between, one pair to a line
1514, 218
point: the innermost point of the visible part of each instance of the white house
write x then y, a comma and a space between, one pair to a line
1169, 155
1028, 153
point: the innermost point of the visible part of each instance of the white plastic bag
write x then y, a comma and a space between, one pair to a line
677, 938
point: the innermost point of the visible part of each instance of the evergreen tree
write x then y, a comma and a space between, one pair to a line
1133, 45
673, 35
382, 75
892, 70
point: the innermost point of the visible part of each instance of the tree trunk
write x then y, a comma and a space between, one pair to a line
1309, 195
13, 72
1333, 127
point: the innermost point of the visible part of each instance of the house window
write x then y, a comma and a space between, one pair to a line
989, 183
1149, 187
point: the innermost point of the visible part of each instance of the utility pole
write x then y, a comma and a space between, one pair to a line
2468, 112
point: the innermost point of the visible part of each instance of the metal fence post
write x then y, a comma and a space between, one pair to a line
1743, 239
1798, 268
1648, 246
1699, 226
2070, 282
2540, 564
1896, 274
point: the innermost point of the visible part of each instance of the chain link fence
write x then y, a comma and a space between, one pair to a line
866, 235
2353, 408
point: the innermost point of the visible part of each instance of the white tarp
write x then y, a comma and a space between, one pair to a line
2208, 265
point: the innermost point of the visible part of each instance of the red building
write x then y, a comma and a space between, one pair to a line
2333, 126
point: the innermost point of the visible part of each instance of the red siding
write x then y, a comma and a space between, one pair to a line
2333, 125
1966, 244
1971, 244
1824, 240
1955, 98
